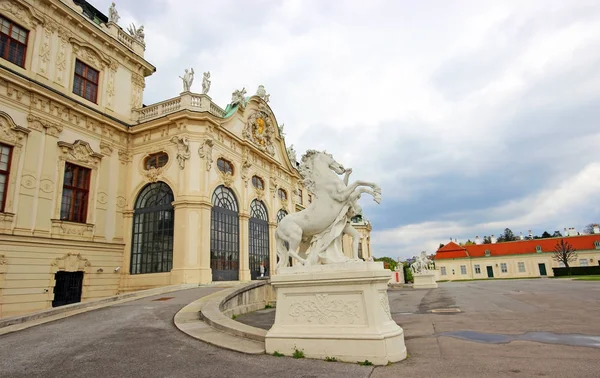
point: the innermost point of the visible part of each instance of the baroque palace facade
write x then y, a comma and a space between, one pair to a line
100, 194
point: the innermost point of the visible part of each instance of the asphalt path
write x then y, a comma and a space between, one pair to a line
139, 339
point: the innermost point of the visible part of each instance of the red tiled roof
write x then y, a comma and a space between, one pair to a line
519, 247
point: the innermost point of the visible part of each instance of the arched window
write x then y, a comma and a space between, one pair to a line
153, 219
157, 160
258, 183
280, 214
282, 194
258, 239
225, 166
224, 236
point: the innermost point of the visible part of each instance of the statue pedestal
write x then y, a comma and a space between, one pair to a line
336, 310
424, 281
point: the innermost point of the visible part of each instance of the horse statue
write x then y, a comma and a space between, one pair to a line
421, 264
316, 232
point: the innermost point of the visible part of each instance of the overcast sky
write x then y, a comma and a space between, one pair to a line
473, 116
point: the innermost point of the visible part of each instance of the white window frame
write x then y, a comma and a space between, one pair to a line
443, 270
463, 270
521, 265
477, 269
503, 268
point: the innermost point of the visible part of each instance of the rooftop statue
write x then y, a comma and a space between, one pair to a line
237, 97
262, 93
421, 264
137, 33
317, 231
113, 15
206, 82
188, 79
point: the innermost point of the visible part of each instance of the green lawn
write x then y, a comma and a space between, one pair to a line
581, 278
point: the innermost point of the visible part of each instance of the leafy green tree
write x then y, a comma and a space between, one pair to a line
487, 240
546, 235
391, 263
564, 252
557, 234
408, 277
507, 236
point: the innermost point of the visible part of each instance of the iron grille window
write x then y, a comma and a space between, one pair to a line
153, 223
85, 82
258, 238
224, 166
13, 42
68, 288
75, 193
156, 160
5, 158
224, 235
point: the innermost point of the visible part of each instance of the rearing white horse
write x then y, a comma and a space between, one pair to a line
323, 221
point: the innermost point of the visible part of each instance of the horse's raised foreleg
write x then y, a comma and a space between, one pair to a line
344, 194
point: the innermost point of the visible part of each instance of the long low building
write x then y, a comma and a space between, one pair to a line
521, 258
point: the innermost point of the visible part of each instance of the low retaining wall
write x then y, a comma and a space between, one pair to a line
218, 311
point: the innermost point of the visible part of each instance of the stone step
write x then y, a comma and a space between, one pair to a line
203, 332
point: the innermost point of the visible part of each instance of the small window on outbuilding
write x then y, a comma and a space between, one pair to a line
597, 244
156, 160
538, 248
487, 253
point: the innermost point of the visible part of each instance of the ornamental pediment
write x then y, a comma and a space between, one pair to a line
260, 130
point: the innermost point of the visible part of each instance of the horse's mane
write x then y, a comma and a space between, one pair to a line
306, 169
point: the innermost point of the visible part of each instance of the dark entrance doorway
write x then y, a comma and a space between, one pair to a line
542, 267
224, 236
258, 235
490, 271
68, 288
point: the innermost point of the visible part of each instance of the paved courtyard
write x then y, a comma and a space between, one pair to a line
138, 339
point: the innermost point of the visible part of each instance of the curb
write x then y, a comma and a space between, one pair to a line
77, 308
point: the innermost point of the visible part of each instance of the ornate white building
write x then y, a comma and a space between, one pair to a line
99, 194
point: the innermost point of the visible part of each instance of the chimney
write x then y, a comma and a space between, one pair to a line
521, 235
596, 229
493, 239
530, 234
477, 241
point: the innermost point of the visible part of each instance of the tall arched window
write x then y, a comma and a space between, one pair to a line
153, 218
224, 236
258, 239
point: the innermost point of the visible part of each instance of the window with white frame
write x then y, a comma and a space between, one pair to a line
477, 269
583, 262
521, 267
443, 270
503, 268
561, 264
463, 269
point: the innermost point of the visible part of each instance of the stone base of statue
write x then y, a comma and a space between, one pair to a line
339, 311
424, 280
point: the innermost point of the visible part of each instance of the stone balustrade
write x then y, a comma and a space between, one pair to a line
185, 101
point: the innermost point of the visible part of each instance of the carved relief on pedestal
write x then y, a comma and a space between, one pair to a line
259, 129
325, 309
71, 262
385, 303
205, 152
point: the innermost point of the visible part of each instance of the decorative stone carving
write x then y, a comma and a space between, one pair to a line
3, 260
246, 169
19, 12
291, 152
238, 97
62, 229
153, 174
280, 127
385, 303
106, 149
28, 181
52, 128
61, 55
125, 156
87, 54
113, 15
10, 132
71, 262
205, 152
260, 194
259, 129
206, 82
6, 220
421, 264
80, 152
121, 202
46, 186
188, 79
321, 239
262, 93
102, 198
110, 87
227, 179
324, 309
44, 52
183, 150
137, 87
137, 33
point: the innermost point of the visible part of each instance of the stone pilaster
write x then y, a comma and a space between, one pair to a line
244, 248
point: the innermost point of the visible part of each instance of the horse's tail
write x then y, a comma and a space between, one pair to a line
281, 252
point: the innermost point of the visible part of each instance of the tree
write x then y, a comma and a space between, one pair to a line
469, 242
408, 277
546, 235
441, 246
391, 263
557, 234
487, 240
589, 229
564, 252
507, 236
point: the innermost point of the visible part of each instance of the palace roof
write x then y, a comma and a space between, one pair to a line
519, 247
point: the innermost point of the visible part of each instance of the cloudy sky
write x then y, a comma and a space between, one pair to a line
473, 116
